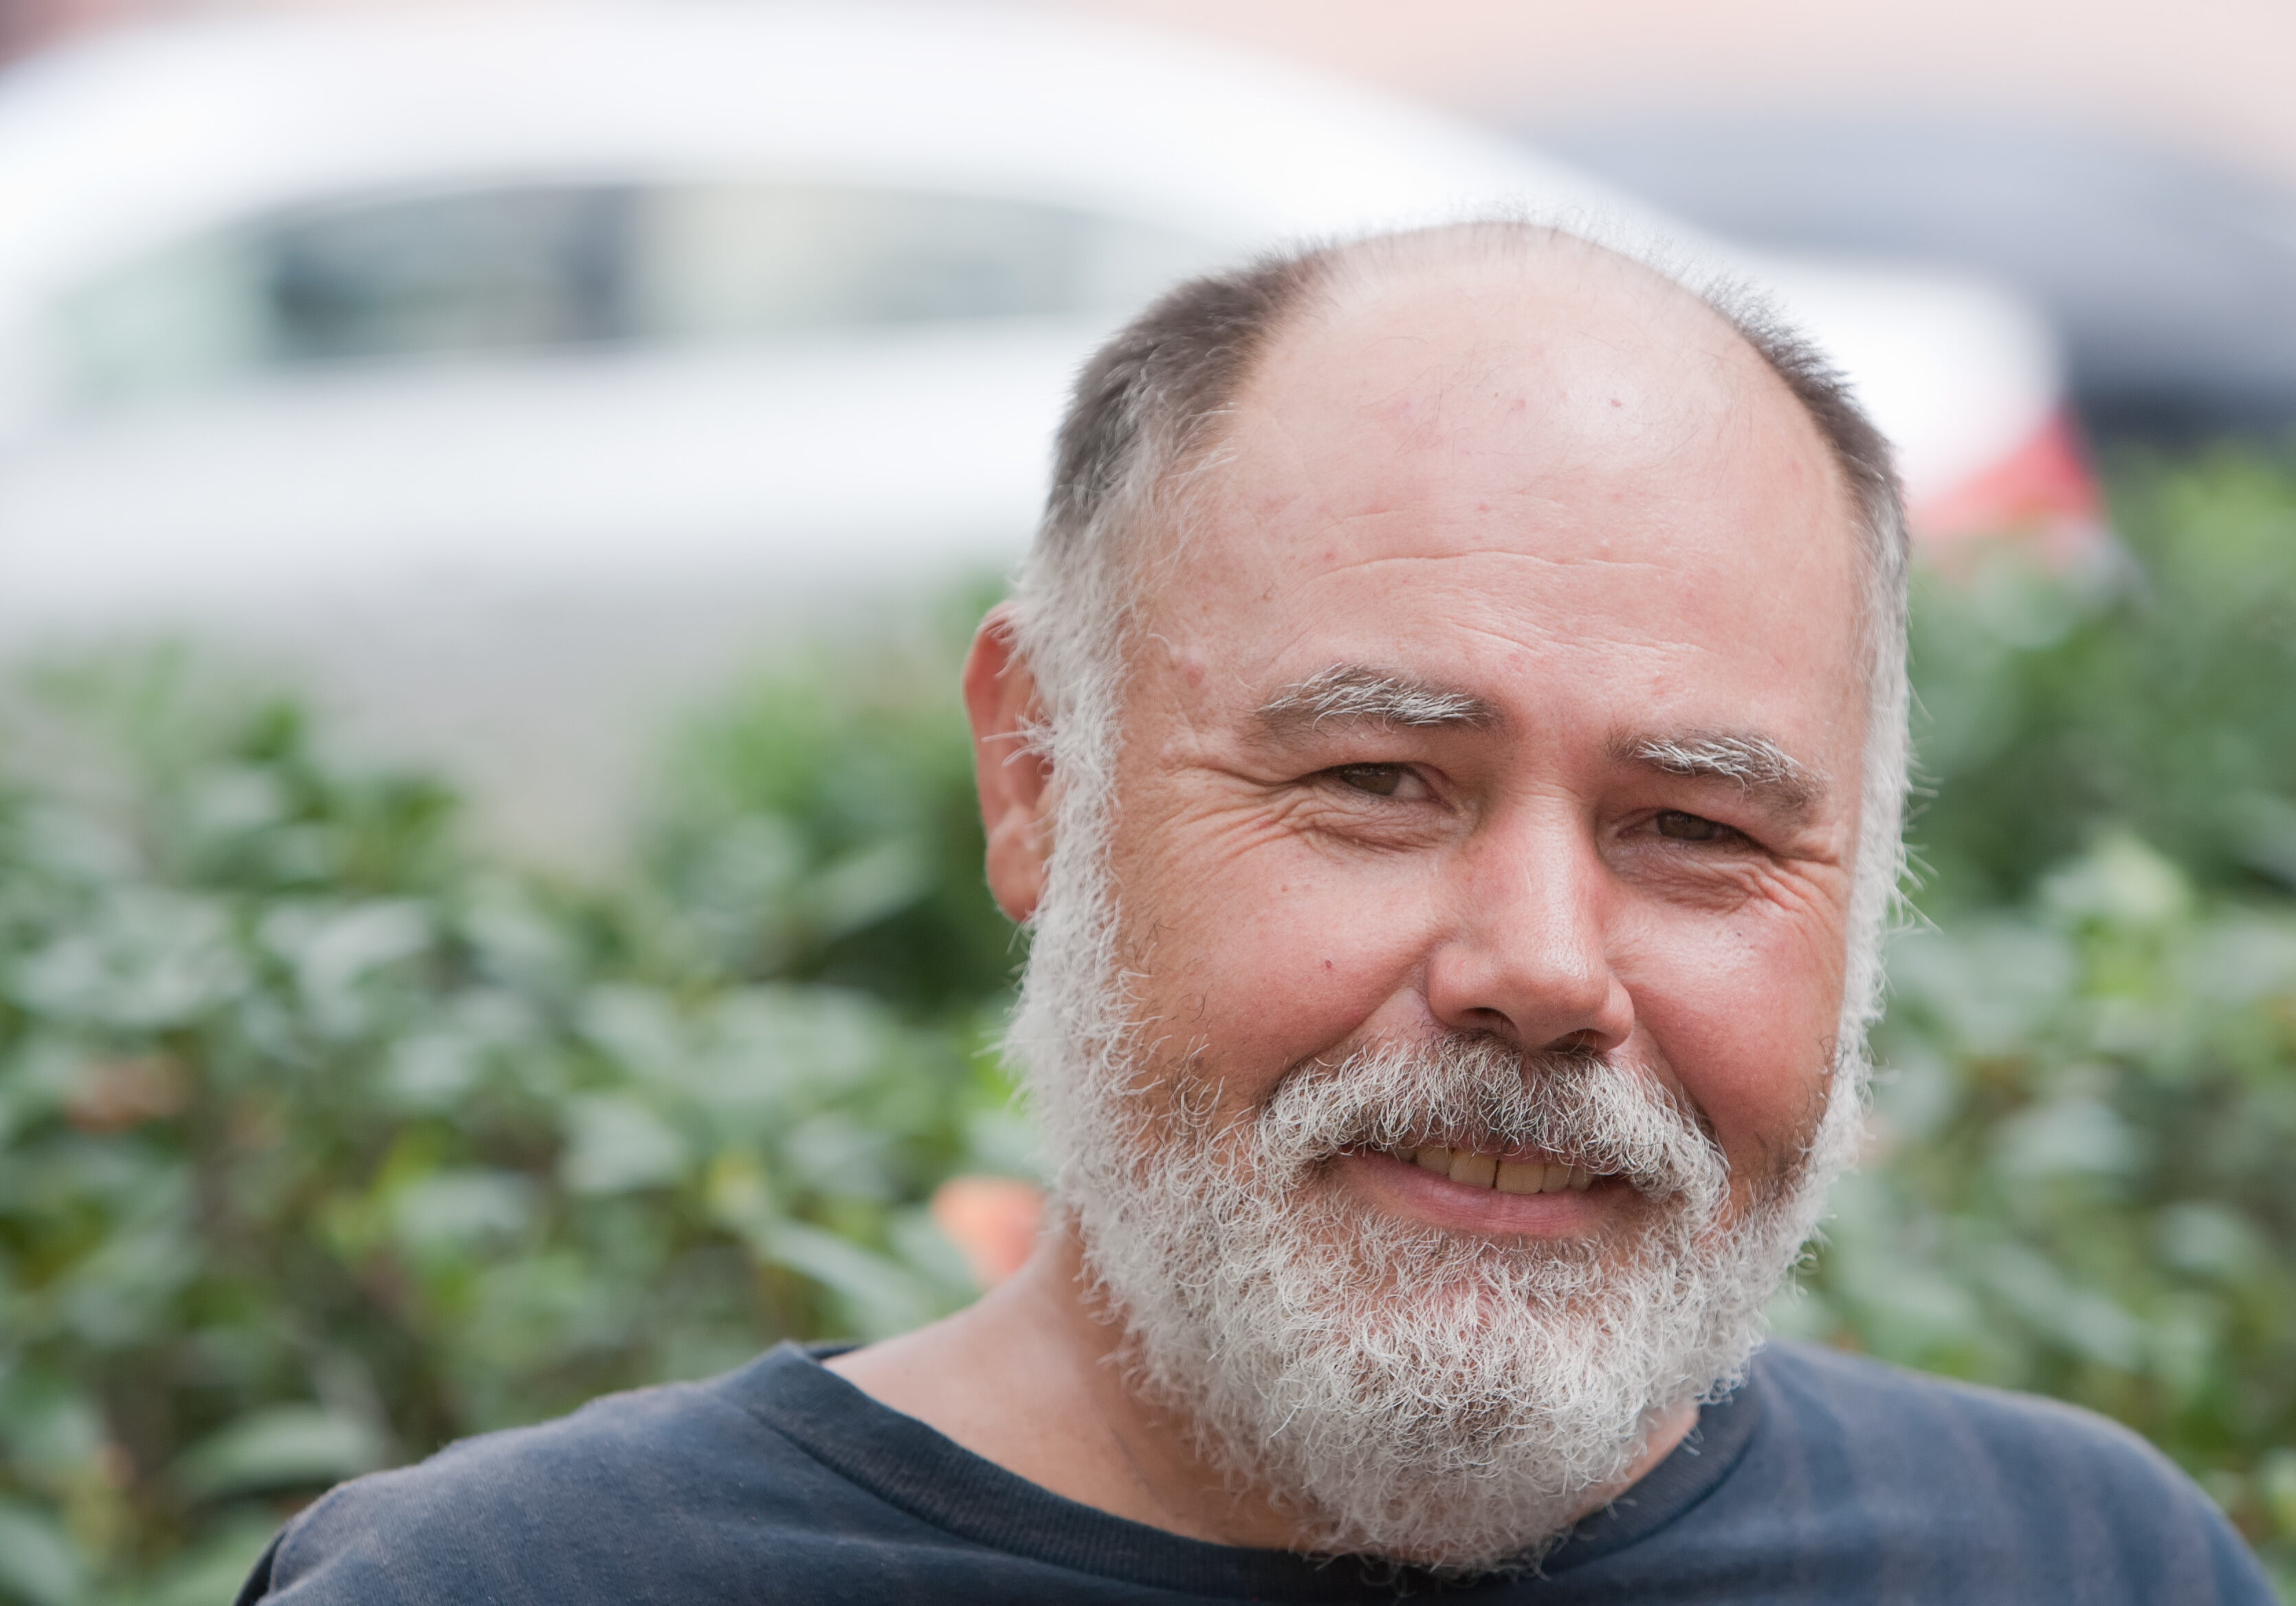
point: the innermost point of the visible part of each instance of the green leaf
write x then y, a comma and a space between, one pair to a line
882, 1297
280, 1447
38, 1562
616, 1143
210, 1571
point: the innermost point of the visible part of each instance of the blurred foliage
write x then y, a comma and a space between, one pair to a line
2079, 1182
2079, 1176
820, 825
2151, 692
322, 1142
324, 1138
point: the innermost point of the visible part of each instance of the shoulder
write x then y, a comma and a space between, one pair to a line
1918, 1420
1922, 1476
632, 1497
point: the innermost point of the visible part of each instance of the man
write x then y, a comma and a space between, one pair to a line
1448, 741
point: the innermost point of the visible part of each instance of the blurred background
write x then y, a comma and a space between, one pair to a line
492, 499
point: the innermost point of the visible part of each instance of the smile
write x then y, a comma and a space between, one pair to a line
1506, 1173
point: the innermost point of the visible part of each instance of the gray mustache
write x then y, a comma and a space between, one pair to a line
1473, 1090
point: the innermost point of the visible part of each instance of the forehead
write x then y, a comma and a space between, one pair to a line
1480, 462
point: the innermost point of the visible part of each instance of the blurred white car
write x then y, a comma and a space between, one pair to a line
513, 367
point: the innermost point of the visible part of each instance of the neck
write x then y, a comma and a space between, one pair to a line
1028, 1378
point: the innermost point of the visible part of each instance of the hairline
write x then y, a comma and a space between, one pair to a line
1144, 515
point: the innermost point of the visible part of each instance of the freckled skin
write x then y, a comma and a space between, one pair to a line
1582, 500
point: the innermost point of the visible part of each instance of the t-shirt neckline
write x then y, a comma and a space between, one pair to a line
921, 1471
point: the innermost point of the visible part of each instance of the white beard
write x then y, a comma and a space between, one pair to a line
1418, 1394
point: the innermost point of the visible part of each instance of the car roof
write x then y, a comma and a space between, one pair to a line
143, 138
2172, 279
127, 142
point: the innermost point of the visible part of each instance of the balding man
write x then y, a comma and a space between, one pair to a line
1448, 741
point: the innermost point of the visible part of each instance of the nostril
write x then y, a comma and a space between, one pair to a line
1530, 988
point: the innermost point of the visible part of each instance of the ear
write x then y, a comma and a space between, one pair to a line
1014, 782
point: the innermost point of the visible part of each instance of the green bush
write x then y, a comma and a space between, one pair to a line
322, 1142
2080, 1181
2149, 695
820, 825
325, 1137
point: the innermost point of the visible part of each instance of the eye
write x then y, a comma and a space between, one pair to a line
1380, 780
1680, 827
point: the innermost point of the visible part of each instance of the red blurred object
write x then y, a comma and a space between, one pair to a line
992, 1220
2043, 492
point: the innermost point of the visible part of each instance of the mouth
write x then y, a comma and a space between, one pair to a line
1490, 1189
1506, 1172
1510, 1192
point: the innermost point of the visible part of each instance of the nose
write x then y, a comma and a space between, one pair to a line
1526, 952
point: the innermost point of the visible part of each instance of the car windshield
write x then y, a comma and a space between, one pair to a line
542, 268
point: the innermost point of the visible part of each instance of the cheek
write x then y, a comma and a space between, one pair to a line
1262, 958
1745, 1009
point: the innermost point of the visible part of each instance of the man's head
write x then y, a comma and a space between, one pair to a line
1463, 683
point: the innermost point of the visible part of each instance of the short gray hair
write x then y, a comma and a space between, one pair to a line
1147, 414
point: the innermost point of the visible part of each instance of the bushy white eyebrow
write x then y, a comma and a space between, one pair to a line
1355, 694
1360, 694
1756, 763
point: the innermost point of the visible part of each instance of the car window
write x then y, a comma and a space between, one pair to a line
543, 267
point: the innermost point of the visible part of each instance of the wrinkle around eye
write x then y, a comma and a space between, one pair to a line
1721, 876
1320, 807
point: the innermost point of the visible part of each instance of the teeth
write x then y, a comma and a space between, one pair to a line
1515, 1176
1479, 1170
1476, 1170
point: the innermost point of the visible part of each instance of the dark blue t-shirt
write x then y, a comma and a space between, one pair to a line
1825, 1479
